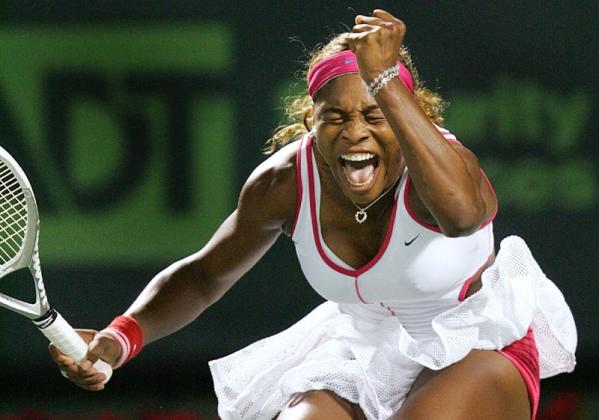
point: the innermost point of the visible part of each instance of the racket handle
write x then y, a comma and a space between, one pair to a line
66, 339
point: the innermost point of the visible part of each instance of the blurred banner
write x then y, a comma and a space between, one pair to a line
126, 132
138, 126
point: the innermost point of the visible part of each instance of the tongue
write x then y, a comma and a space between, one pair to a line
358, 174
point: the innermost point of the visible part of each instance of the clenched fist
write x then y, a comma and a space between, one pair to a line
376, 41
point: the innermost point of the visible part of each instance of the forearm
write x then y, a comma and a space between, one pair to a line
181, 292
441, 176
174, 298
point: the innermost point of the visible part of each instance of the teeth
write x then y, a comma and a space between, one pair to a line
357, 157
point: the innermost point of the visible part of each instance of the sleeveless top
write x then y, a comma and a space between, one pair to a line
417, 273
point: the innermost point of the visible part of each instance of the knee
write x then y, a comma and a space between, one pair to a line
483, 385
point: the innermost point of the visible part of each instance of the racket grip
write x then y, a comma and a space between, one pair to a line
66, 339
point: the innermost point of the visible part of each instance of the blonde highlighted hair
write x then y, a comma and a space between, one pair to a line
298, 109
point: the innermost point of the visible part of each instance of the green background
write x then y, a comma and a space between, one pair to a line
138, 122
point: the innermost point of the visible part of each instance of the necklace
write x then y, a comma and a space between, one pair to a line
361, 214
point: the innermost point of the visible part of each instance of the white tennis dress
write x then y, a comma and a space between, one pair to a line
404, 310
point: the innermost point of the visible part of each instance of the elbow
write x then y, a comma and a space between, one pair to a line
464, 222
458, 230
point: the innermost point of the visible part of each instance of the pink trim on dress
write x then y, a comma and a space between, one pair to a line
469, 280
300, 186
412, 213
357, 287
317, 239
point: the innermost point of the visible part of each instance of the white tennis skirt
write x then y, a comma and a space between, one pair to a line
374, 363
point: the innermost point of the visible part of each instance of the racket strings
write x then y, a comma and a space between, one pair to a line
13, 214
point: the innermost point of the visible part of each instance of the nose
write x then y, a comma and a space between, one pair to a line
355, 131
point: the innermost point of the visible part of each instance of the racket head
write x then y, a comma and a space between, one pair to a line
19, 226
19, 218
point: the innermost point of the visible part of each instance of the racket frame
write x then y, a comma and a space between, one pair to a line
28, 255
46, 318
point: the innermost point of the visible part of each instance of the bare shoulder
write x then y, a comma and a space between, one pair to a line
270, 193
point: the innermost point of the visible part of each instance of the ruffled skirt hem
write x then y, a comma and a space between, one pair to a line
375, 364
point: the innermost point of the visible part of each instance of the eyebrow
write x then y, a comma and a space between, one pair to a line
371, 108
339, 110
333, 109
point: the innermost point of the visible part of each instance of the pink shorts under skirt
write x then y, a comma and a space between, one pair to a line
525, 356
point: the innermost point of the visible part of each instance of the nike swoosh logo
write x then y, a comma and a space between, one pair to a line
408, 243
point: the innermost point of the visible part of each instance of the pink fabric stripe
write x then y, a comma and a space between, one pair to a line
357, 287
465, 287
314, 219
525, 357
300, 186
323, 255
342, 63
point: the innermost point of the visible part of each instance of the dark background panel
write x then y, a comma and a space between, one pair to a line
463, 50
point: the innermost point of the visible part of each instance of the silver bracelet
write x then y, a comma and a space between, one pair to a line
382, 79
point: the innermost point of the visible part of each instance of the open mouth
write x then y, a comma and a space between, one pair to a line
359, 169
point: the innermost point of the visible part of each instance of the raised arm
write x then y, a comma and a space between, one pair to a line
446, 176
181, 292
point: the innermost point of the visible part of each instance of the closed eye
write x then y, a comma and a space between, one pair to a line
334, 121
333, 117
375, 118
373, 114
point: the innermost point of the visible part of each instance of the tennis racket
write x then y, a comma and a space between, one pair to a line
19, 236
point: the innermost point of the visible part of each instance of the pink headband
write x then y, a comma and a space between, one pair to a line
343, 63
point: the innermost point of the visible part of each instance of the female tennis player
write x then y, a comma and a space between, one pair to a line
391, 218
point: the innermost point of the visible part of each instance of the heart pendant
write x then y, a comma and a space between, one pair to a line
361, 216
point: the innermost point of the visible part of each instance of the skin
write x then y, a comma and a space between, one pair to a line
346, 119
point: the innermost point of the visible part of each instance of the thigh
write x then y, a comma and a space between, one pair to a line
320, 404
484, 385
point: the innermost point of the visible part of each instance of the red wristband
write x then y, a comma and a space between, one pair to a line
131, 332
